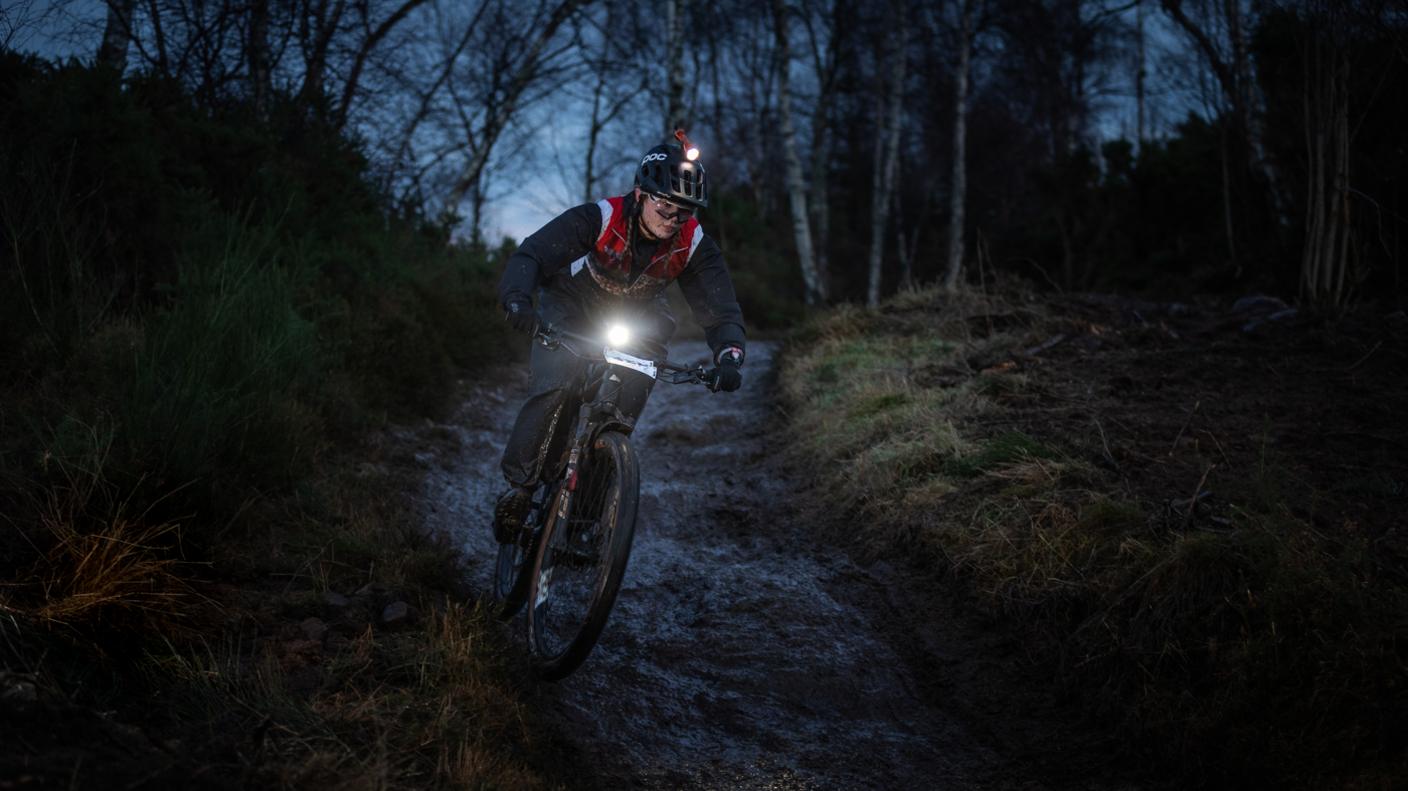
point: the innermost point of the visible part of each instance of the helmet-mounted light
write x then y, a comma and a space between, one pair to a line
691, 151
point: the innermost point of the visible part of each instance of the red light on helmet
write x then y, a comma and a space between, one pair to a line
691, 151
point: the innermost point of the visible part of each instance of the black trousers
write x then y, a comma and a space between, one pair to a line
546, 420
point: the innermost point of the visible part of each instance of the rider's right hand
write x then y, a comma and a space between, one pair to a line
519, 314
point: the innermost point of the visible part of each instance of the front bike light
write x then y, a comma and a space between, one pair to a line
618, 334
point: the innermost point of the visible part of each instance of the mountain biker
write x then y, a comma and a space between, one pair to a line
613, 259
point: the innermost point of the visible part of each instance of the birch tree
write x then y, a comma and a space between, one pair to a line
1220, 37
887, 147
117, 34
826, 46
674, 65
1325, 257
814, 288
958, 194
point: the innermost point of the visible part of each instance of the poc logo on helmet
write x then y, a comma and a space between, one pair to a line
654, 158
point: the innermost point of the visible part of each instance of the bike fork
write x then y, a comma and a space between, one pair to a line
559, 518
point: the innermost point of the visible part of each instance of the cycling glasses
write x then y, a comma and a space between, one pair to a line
670, 210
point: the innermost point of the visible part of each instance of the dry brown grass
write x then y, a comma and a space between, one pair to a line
432, 707
95, 561
121, 568
1250, 642
438, 705
239, 686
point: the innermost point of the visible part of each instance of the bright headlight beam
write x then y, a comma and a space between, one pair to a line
618, 335
692, 154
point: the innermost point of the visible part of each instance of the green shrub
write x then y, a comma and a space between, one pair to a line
219, 384
224, 297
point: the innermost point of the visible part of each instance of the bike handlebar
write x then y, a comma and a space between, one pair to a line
551, 337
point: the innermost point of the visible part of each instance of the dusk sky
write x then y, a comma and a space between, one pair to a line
550, 133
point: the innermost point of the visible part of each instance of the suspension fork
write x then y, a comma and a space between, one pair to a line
592, 417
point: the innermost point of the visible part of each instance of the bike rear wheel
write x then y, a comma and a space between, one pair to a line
582, 559
513, 567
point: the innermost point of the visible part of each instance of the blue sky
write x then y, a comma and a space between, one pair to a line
73, 28
519, 202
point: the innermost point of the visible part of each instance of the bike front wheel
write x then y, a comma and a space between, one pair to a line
513, 565
581, 559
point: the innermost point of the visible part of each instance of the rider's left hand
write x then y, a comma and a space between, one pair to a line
729, 376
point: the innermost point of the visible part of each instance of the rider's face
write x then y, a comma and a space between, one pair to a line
658, 218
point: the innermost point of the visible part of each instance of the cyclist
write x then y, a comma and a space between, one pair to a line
612, 260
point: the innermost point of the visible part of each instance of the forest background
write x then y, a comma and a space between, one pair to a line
239, 234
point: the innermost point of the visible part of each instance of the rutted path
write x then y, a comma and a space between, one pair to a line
743, 652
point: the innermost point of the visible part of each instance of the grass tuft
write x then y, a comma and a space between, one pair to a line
1249, 634
206, 315
98, 563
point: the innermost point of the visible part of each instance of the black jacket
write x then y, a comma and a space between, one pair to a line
549, 251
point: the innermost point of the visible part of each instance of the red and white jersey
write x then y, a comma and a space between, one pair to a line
609, 261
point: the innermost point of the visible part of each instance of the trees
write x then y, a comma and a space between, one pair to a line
1328, 224
521, 55
1348, 53
887, 144
316, 51
796, 186
958, 189
1003, 113
1219, 32
117, 34
616, 77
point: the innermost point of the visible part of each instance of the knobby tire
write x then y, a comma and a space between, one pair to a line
582, 559
513, 566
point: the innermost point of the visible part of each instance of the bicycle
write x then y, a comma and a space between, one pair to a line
570, 556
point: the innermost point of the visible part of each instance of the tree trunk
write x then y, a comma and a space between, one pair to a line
827, 68
476, 197
909, 245
319, 38
815, 290
593, 132
959, 193
1325, 257
674, 64
117, 34
496, 118
163, 61
887, 147
1238, 85
257, 56
354, 76
906, 255
819, 202
1139, 75
1227, 216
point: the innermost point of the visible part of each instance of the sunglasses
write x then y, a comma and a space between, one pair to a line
663, 208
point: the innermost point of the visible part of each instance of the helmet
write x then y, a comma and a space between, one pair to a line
665, 171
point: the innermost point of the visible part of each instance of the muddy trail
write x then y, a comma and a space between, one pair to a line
745, 650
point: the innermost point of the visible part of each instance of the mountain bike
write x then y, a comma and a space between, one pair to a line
570, 556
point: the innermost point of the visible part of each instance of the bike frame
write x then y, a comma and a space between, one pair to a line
522, 572
601, 413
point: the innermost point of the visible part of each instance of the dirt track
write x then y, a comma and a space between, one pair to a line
744, 651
